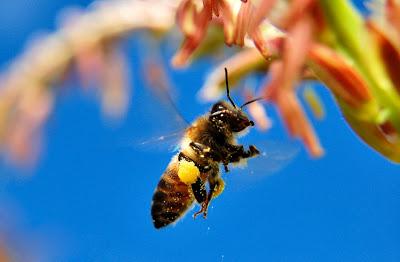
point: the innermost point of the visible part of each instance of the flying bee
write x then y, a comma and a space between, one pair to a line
209, 142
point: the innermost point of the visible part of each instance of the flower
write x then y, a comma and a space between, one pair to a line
356, 57
328, 39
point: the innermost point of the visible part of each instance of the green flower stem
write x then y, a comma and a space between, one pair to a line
370, 133
350, 30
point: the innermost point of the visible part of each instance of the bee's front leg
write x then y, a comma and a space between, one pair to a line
226, 169
205, 151
238, 152
202, 150
235, 153
253, 151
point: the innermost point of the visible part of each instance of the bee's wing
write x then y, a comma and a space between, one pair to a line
159, 123
160, 126
167, 142
274, 157
155, 132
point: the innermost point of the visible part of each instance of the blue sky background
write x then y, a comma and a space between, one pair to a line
89, 197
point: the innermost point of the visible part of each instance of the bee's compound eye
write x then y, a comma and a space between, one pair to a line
251, 123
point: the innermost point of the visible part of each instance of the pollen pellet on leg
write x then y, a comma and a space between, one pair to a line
188, 172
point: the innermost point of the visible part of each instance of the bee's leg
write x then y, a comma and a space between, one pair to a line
239, 153
204, 206
236, 153
217, 185
200, 149
199, 191
253, 151
205, 151
226, 167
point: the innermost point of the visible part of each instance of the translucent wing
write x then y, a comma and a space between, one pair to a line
159, 123
162, 143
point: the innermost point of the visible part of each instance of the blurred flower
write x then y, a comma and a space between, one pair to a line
4, 257
314, 102
257, 112
355, 57
17, 242
328, 39
86, 42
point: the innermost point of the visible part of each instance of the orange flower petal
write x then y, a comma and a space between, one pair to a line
259, 14
342, 78
194, 24
389, 52
290, 110
393, 14
257, 112
296, 11
243, 22
227, 21
296, 48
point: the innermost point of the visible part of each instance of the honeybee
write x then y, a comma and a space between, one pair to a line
210, 141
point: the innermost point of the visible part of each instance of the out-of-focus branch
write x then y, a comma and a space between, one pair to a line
86, 41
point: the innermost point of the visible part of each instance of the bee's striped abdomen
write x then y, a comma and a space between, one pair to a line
171, 198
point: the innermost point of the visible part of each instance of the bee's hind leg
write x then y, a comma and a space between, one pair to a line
199, 191
201, 196
204, 207
203, 210
217, 185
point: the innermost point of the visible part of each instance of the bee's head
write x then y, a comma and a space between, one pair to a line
224, 114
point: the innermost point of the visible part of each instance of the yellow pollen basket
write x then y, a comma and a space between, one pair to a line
188, 172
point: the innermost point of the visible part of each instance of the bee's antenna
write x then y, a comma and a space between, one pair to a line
175, 107
251, 101
227, 88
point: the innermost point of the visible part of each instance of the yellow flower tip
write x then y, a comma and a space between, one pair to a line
314, 102
179, 60
188, 172
257, 112
317, 152
311, 140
